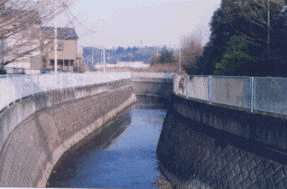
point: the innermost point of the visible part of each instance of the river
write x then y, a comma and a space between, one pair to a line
122, 155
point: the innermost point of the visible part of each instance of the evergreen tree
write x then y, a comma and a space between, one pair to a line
240, 31
235, 57
215, 48
166, 56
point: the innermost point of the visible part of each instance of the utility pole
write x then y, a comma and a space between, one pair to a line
93, 58
2, 35
104, 57
104, 48
2, 49
55, 40
179, 61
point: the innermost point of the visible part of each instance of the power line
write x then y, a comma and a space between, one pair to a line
68, 10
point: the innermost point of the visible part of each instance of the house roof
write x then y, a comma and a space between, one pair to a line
62, 33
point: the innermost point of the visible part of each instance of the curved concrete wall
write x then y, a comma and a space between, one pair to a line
265, 129
38, 130
193, 155
15, 88
206, 146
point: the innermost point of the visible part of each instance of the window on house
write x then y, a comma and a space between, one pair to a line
60, 62
66, 62
72, 62
60, 45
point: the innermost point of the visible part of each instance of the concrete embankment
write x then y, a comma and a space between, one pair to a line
151, 90
38, 130
193, 153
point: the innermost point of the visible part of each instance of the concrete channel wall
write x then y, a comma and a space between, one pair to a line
207, 146
153, 84
262, 128
152, 88
36, 131
14, 88
193, 156
44, 120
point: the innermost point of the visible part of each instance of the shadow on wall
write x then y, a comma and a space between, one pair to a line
99, 139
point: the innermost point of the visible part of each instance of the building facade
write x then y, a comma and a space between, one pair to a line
27, 46
67, 49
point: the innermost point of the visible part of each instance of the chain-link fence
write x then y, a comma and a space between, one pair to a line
252, 93
270, 95
197, 87
234, 91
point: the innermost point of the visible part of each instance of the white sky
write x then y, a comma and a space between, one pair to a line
113, 23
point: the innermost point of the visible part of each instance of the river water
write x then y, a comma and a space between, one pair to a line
122, 155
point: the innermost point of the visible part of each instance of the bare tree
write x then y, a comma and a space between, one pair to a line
20, 26
191, 49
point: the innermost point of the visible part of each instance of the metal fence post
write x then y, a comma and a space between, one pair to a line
210, 88
252, 95
9, 89
14, 81
1, 95
20, 89
185, 86
175, 84
73, 81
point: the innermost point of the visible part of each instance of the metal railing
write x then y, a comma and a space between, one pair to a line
266, 94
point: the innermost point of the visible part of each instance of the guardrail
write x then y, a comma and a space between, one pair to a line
17, 87
266, 94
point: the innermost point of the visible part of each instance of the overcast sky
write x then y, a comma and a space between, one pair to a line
113, 23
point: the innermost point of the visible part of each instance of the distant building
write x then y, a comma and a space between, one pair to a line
67, 55
29, 46
123, 57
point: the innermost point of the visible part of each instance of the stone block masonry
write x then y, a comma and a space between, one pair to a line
195, 155
56, 121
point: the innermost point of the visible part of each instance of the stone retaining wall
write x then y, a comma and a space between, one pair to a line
195, 155
38, 130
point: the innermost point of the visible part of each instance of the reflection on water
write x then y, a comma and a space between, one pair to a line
122, 156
